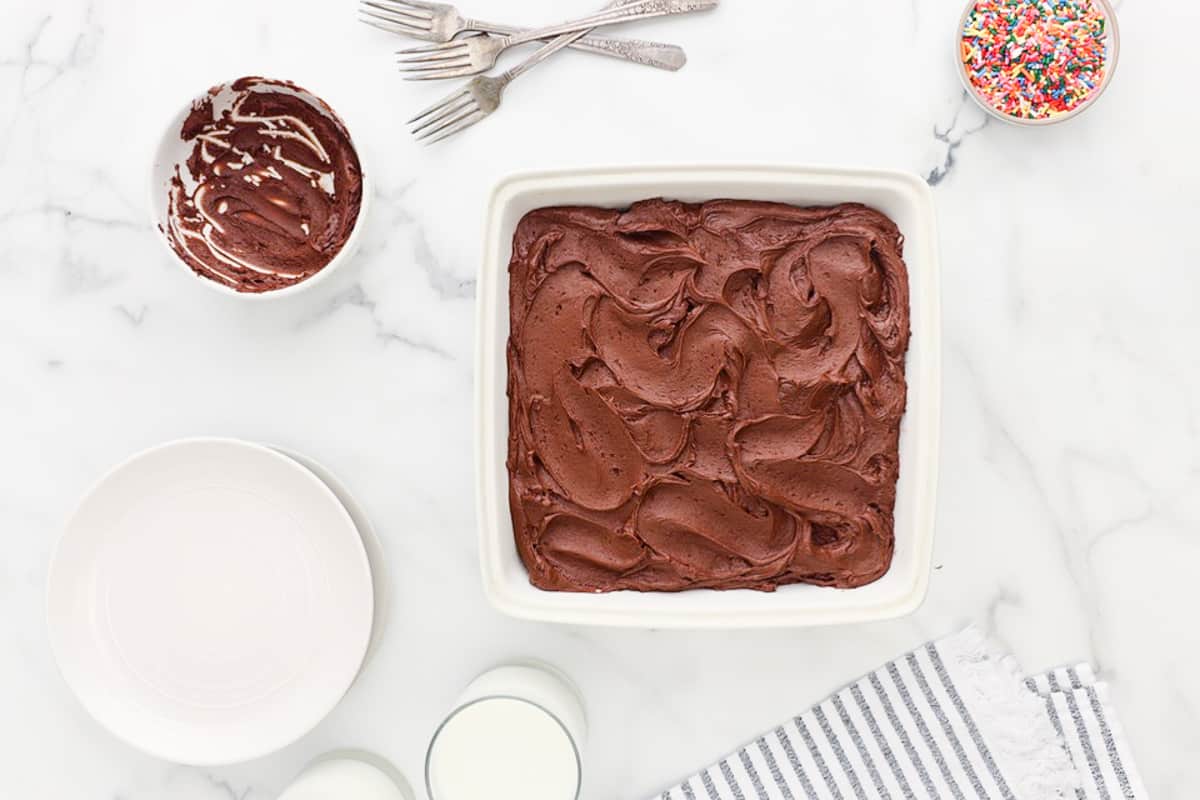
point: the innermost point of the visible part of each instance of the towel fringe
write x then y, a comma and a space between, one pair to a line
1012, 720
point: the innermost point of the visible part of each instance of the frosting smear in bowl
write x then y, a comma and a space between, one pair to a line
272, 187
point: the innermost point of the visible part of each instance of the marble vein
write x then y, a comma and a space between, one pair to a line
1075, 565
68, 215
445, 283
226, 788
952, 136
132, 316
356, 297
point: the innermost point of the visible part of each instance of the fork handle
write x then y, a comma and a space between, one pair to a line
625, 13
542, 53
651, 54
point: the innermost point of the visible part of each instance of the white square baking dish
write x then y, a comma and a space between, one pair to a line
903, 197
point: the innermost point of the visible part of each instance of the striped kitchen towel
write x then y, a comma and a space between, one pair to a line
952, 720
1079, 710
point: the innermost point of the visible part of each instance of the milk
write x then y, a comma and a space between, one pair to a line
515, 734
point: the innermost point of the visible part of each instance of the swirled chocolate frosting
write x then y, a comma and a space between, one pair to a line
273, 191
705, 395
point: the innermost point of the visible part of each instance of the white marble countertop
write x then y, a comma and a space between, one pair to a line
1067, 521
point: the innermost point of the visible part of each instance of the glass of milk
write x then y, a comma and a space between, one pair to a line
516, 731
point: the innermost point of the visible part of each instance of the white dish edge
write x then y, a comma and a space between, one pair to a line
899, 592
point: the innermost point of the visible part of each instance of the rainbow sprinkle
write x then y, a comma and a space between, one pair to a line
1035, 59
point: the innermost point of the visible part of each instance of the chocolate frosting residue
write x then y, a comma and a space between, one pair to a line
705, 395
274, 190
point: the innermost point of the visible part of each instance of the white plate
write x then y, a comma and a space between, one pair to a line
903, 197
373, 546
210, 601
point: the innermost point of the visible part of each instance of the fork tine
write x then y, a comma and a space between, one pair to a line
395, 11
438, 104
413, 7
391, 26
435, 66
373, 10
441, 74
447, 109
429, 48
463, 124
449, 54
440, 63
459, 116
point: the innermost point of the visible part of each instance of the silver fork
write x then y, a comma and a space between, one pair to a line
476, 54
479, 97
440, 22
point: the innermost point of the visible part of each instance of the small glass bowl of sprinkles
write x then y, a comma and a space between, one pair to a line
1037, 62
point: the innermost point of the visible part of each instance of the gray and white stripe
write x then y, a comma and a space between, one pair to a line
918, 729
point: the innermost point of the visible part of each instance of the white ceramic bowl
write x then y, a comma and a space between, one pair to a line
903, 197
174, 151
1114, 52
352, 775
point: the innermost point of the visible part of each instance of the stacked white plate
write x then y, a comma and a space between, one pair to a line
211, 600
